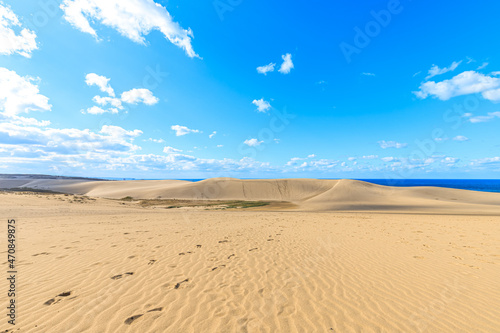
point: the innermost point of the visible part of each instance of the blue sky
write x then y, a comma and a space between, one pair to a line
250, 89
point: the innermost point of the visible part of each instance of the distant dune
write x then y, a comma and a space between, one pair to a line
306, 194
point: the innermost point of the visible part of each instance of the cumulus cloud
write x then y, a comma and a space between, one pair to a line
252, 142
20, 94
461, 138
287, 64
183, 130
391, 144
265, 69
213, 134
261, 104
368, 74
10, 42
465, 83
435, 70
16, 120
450, 160
98, 110
155, 140
116, 102
100, 81
133, 96
69, 140
171, 150
482, 119
142, 95
133, 19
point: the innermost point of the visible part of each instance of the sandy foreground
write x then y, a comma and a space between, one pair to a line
103, 265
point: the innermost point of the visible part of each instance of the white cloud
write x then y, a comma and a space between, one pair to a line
10, 42
450, 160
492, 95
213, 134
171, 150
487, 161
132, 18
116, 102
368, 74
252, 142
132, 96
262, 105
183, 130
135, 96
482, 119
19, 94
265, 69
68, 140
311, 156
484, 64
465, 83
23, 121
435, 70
287, 64
97, 110
461, 138
370, 157
220, 146
102, 82
391, 144
155, 140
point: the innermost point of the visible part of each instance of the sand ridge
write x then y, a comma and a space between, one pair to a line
305, 194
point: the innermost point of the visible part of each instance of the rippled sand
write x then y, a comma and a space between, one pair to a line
98, 265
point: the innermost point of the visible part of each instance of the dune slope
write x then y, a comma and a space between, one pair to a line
307, 194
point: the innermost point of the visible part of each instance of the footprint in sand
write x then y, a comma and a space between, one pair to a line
151, 261
177, 286
41, 253
130, 320
221, 266
119, 276
58, 298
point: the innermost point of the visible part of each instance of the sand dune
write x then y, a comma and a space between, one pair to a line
306, 194
100, 265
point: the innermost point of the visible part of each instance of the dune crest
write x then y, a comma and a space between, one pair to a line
306, 194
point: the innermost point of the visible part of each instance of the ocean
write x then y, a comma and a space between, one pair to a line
483, 185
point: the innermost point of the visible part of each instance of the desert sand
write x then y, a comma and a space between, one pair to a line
323, 256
